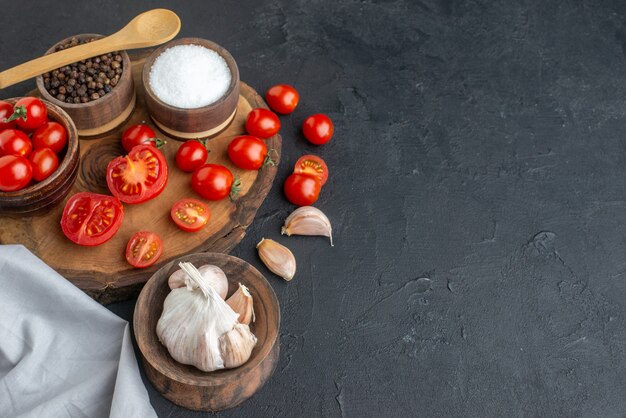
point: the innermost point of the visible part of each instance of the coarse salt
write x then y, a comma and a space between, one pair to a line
189, 76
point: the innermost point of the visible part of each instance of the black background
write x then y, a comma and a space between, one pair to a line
477, 196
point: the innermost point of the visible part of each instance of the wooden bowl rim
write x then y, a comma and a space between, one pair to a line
223, 52
210, 378
72, 148
125, 78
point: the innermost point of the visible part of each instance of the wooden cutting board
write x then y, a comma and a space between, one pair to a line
102, 271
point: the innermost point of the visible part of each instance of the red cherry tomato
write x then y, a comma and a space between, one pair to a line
302, 189
30, 113
190, 215
318, 129
191, 155
262, 123
247, 152
138, 135
139, 176
91, 219
282, 98
15, 173
50, 135
144, 249
15, 142
214, 182
313, 166
44, 162
6, 110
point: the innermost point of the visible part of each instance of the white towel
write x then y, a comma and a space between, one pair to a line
61, 353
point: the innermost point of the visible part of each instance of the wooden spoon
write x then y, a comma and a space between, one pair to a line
151, 28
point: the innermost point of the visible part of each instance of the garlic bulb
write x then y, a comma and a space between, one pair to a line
241, 302
214, 275
197, 327
237, 346
307, 220
278, 258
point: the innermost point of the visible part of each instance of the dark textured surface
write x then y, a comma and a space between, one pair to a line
477, 193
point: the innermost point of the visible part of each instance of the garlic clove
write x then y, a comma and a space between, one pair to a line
236, 346
241, 302
214, 276
307, 220
278, 258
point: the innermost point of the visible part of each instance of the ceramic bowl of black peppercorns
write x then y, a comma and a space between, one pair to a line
98, 93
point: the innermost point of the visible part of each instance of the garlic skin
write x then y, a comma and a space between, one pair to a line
236, 346
213, 274
193, 322
307, 220
241, 302
278, 258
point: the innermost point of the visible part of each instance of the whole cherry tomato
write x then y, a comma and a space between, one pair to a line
44, 162
6, 110
30, 113
312, 165
190, 215
191, 155
138, 135
15, 173
91, 219
15, 142
318, 129
214, 182
262, 123
248, 152
282, 98
144, 249
50, 135
302, 189
139, 176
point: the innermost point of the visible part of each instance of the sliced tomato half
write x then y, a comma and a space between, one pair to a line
312, 165
144, 249
91, 219
139, 176
190, 214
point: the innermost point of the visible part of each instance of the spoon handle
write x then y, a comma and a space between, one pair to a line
56, 60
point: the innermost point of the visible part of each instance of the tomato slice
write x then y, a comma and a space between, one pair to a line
312, 165
139, 176
91, 219
144, 249
190, 214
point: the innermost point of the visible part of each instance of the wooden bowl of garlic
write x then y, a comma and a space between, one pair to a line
179, 328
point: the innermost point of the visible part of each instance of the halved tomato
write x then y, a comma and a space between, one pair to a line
312, 165
139, 176
144, 249
91, 219
190, 214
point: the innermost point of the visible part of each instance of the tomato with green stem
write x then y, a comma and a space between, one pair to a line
215, 182
140, 134
249, 152
191, 155
30, 113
